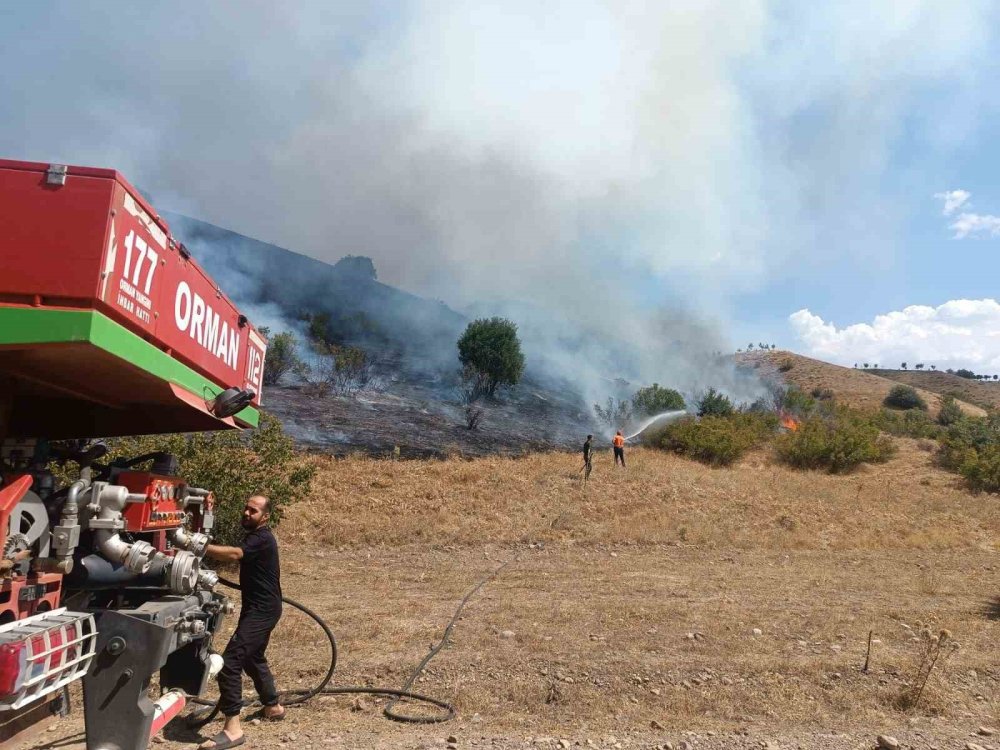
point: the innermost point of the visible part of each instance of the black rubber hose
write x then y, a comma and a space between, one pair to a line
294, 697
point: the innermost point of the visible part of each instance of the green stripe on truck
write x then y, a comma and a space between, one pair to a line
28, 325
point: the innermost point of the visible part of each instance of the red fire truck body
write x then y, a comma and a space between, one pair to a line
108, 327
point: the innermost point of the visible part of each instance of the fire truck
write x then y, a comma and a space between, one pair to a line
108, 327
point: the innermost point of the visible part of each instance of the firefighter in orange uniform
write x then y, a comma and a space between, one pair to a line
619, 445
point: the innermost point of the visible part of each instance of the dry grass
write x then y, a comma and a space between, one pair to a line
661, 499
612, 577
857, 388
636, 597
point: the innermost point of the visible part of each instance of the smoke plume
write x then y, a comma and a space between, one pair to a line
607, 174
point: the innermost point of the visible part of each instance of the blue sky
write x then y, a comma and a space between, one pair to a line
742, 161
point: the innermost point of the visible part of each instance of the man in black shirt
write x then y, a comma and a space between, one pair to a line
260, 582
588, 455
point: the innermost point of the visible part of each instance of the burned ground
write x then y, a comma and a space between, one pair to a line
731, 607
414, 420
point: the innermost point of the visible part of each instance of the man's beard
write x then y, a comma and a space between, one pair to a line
248, 524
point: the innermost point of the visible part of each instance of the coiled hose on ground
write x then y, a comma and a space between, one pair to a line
295, 697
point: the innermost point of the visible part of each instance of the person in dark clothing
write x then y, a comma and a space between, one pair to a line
588, 455
260, 582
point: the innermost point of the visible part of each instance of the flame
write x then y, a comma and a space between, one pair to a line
789, 422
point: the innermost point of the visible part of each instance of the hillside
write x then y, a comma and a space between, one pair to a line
726, 608
410, 342
982, 394
283, 285
857, 388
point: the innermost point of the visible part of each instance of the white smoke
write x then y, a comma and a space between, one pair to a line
587, 164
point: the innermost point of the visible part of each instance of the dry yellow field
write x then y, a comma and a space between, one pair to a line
729, 606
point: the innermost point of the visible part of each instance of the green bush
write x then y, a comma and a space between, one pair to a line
714, 440
490, 349
836, 443
912, 423
950, 413
234, 466
656, 400
981, 468
967, 436
904, 397
798, 402
714, 404
822, 394
969, 442
281, 357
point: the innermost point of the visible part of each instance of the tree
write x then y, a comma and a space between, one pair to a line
902, 366
714, 404
933, 367
866, 365
904, 397
614, 414
281, 357
655, 400
967, 374
919, 366
490, 351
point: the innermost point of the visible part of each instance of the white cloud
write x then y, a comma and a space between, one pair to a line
953, 200
959, 333
967, 224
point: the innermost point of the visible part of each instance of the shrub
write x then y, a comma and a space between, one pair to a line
836, 443
963, 373
822, 394
714, 404
234, 466
342, 370
656, 400
971, 446
950, 412
490, 348
319, 330
786, 365
904, 397
981, 468
715, 440
912, 423
280, 358
797, 402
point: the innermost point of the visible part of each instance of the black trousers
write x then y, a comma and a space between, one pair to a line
245, 653
619, 456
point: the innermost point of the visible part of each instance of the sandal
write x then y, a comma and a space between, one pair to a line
221, 741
